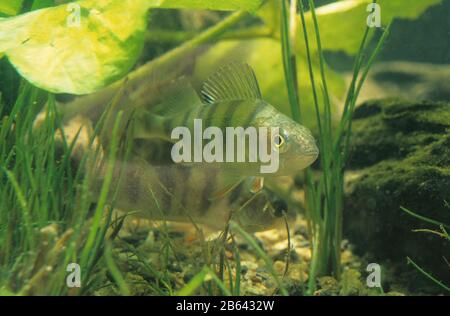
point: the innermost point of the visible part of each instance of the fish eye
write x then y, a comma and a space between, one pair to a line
280, 140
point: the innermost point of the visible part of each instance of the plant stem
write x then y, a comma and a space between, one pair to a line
175, 37
211, 33
289, 60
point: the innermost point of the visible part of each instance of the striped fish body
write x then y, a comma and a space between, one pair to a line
241, 113
225, 114
184, 194
231, 98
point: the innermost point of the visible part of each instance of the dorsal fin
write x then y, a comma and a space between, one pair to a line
179, 96
235, 81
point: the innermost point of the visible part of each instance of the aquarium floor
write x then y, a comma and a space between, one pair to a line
190, 252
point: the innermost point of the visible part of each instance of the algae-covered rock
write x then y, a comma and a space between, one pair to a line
351, 283
400, 156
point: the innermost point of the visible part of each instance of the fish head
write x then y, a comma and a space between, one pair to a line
294, 143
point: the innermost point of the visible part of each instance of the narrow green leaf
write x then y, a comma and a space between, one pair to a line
115, 272
428, 275
268, 262
423, 218
205, 275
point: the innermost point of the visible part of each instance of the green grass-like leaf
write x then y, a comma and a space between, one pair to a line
44, 214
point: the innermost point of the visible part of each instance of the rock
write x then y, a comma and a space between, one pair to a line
328, 286
282, 255
279, 267
304, 254
400, 156
408, 80
244, 270
351, 284
248, 265
297, 273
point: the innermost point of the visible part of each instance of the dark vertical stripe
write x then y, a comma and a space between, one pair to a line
133, 185
168, 126
195, 184
209, 117
201, 112
166, 179
208, 190
228, 117
252, 115
185, 179
186, 118
178, 188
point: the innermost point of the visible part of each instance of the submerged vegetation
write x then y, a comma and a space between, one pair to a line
409, 170
51, 159
442, 232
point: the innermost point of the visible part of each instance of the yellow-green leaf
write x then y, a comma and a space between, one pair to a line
248, 5
58, 52
10, 7
83, 46
342, 24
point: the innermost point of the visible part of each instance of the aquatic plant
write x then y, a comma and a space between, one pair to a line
325, 195
442, 232
46, 216
45, 210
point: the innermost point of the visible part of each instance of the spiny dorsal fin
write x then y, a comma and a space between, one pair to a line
178, 97
235, 81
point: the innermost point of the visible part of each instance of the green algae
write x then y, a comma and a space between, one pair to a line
401, 157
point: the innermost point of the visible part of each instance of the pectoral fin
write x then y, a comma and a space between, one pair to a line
225, 188
257, 184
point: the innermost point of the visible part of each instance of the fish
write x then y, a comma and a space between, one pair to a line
172, 192
231, 97
179, 193
206, 193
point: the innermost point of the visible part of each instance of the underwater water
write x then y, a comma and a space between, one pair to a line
251, 148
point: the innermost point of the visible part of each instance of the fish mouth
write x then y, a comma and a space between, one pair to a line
311, 157
312, 152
